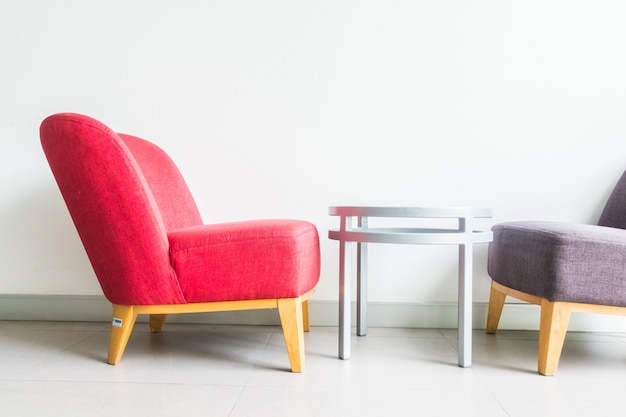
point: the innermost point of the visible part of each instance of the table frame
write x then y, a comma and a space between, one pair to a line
464, 236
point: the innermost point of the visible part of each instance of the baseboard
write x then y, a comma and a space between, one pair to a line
322, 313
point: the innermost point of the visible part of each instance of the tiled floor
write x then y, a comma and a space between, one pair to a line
59, 369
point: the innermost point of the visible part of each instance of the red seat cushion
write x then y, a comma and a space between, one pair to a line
258, 259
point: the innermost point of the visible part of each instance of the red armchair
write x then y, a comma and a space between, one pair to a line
150, 250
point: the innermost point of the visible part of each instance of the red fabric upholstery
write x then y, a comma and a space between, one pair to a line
176, 204
113, 209
143, 233
246, 260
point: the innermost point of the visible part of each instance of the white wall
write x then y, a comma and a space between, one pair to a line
282, 108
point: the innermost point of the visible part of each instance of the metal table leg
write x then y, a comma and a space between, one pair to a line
466, 257
344, 300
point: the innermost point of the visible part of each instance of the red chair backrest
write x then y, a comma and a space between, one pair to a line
124, 194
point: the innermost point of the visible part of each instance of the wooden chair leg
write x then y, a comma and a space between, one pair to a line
552, 329
305, 315
124, 318
291, 318
496, 304
156, 322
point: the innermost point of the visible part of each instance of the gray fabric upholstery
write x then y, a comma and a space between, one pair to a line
614, 213
561, 261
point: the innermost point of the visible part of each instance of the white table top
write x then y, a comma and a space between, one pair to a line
410, 235
439, 212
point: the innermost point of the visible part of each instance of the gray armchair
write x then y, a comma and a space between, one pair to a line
563, 268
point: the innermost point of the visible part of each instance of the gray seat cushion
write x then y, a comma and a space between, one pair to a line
561, 261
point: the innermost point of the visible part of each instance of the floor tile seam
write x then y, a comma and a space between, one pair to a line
599, 342
497, 401
405, 387
268, 336
403, 337
68, 348
451, 341
108, 382
569, 386
55, 352
236, 402
618, 338
482, 377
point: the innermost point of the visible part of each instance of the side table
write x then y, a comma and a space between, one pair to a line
464, 236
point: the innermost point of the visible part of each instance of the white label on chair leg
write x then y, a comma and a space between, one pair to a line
117, 322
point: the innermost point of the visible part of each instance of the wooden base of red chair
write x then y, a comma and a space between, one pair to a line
293, 312
553, 323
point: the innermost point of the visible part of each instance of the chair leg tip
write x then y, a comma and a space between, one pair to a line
546, 372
